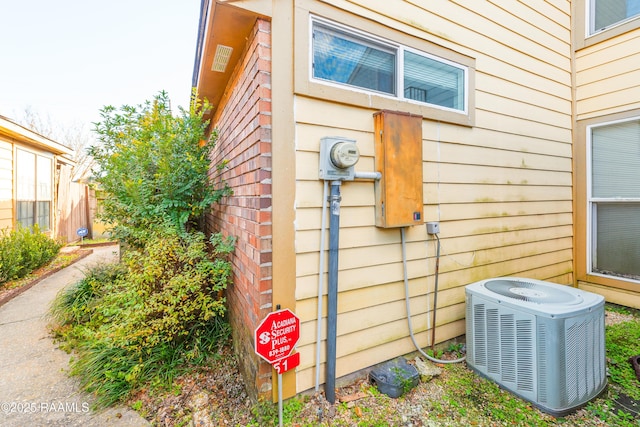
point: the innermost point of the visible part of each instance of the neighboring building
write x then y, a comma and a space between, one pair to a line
35, 186
490, 86
607, 149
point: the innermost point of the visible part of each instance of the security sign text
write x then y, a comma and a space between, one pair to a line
276, 335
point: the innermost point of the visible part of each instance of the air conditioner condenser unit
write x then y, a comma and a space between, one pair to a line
542, 341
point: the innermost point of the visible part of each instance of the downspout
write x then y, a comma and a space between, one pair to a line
332, 297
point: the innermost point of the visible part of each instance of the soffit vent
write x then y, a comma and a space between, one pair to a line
221, 58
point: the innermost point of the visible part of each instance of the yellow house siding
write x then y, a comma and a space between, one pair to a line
607, 76
501, 189
6, 179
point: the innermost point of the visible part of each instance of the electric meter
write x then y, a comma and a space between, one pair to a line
337, 158
345, 154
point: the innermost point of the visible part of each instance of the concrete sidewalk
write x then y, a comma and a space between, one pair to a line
35, 389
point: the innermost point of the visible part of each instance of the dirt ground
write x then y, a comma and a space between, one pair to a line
216, 397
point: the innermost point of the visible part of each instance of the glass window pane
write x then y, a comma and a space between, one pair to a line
25, 175
347, 59
610, 12
434, 82
617, 239
25, 213
616, 160
44, 215
44, 178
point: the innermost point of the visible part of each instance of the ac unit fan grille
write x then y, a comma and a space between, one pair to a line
532, 292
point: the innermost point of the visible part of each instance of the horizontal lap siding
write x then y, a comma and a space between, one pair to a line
6, 191
607, 76
501, 189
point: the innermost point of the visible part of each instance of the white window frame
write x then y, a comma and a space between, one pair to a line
35, 191
399, 71
592, 201
590, 20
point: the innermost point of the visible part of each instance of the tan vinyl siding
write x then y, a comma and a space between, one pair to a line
502, 189
607, 77
6, 179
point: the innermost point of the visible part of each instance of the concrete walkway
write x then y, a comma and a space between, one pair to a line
35, 389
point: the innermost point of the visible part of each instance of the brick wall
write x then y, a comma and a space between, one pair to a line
243, 120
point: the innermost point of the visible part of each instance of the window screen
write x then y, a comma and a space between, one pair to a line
615, 199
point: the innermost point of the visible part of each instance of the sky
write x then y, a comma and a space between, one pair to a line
66, 59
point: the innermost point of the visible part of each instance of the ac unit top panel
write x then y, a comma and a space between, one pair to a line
536, 296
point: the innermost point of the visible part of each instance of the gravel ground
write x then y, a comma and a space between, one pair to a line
216, 397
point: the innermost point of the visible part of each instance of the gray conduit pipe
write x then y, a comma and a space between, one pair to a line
323, 220
332, 290
406, 293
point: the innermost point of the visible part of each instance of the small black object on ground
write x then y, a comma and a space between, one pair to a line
395, 377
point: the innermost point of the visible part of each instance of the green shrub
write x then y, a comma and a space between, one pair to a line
142, 322
23, 250
153, 167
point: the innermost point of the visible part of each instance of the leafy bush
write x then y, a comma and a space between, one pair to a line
144, 320
623, 341
153, 167
23, 250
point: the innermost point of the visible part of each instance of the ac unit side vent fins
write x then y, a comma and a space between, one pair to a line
543, 371
480, 349
525, 355
508, 348
493, 341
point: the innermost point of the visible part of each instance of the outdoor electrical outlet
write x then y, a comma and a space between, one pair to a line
433, 227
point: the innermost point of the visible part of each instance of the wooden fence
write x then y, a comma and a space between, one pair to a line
72, 210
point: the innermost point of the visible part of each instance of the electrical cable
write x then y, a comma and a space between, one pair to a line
406, 293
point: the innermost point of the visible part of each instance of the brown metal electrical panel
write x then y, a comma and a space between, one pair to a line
398, 156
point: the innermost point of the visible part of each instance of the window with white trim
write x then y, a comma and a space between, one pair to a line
362, 61
614, 199
604, 14
33, 189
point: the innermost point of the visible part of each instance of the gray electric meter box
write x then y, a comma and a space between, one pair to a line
337, 158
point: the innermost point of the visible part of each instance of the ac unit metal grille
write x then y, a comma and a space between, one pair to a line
543, 370
508, 347
493, 341
584, 373
550, 354
480, 347
525, 352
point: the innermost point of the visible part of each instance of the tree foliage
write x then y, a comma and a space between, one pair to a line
75, 135
153, 166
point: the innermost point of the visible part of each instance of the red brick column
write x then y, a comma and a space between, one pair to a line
243, 120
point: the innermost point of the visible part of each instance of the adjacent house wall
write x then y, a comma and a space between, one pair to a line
6, 185
607, 74
499, 180
244, 125
500, 185
14, 136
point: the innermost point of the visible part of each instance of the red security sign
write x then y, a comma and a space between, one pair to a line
277, 334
